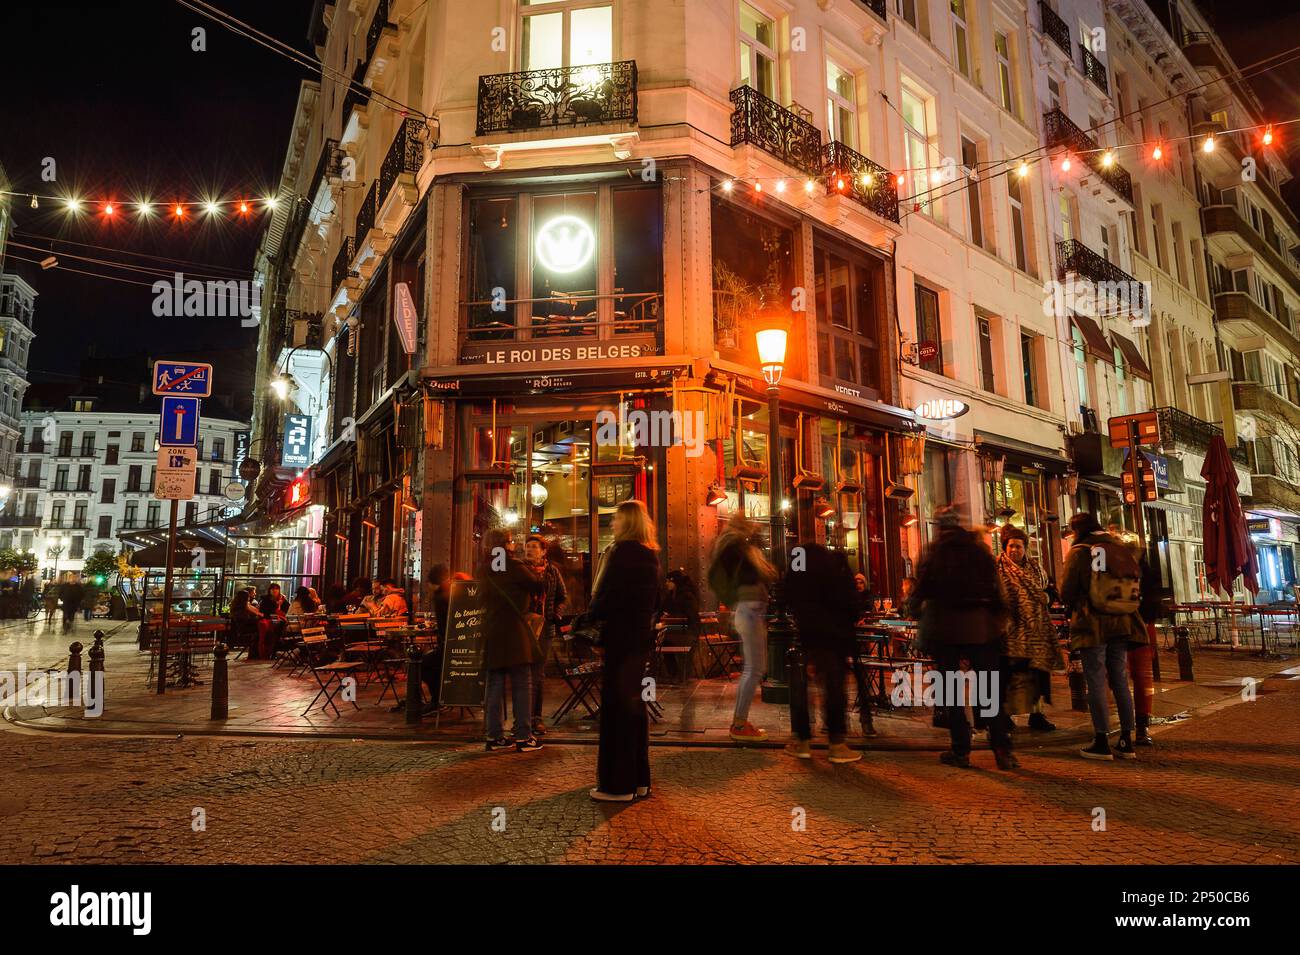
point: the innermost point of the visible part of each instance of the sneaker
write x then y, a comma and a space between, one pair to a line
1124, 749
842, 753
642, 792
529, 745
1143, 738
1099, 749
959, 760
497, 745
1040, 723
539, 727
599, 796
1006, 759
799, 749
747, 732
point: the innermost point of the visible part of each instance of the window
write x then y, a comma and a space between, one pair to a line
1028, 360
1180, 261
129, 517
917, 109
65, 444
1065, 206
200, 449
1157, 229
566, 33
1108, 243
110, 455
960, 38
83, 477
191, 512
137, 441
79, 514
88, 444
1121, 383
841, 105
214, 481
153, 513
1017, 222
984, 327
1080, 354
78, 548
1054, 93
914, 14
975, 208
1002, 50
56, 514
929, 330
110, 487
105, 526
758, 52
849, 292
61, 478
218, 449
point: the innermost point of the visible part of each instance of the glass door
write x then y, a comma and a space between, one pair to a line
567, 33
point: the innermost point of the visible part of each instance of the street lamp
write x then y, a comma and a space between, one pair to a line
783, 653
55, 550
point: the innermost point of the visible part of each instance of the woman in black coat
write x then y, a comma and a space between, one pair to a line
624, 602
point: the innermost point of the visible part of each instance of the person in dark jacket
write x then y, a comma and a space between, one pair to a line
1102, 639
71, 594
960, 614
624, 600
741, 576
510, 640
821, 594
547, 604
431, 663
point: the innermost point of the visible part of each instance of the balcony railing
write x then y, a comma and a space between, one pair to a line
1177, 427
1073, 256
20, 520
564, 96
1093, 69
29, 481
559, 317
377, 24
343, 262
72, 525
1054, 27
1233, 306
1226, 218
405, 154
1060, 130
366, 214
866, 181
767, 124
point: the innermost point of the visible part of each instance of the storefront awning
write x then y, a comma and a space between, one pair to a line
1022, 453
1094, 341
800, 396
1132, 357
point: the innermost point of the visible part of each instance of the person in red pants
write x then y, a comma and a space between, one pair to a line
1140, 658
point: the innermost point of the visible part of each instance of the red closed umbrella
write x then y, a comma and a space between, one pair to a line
1229, 552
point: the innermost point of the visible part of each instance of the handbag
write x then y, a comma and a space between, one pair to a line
588, 629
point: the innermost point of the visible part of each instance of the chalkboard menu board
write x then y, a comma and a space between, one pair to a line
464, 681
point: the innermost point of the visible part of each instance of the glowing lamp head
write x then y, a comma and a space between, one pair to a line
771, 353
867, 180
758, 187
280, 387
144, 208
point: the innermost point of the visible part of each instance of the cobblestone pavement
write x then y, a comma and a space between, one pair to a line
1219, 788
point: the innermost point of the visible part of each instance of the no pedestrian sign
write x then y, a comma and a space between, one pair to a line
182, 378
174, 478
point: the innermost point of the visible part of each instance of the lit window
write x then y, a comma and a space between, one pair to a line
841, 105
757, 51
569, 33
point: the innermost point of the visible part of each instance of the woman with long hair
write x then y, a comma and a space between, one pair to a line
623, 601
1029, 642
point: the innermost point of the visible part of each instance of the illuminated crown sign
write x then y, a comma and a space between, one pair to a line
565, 244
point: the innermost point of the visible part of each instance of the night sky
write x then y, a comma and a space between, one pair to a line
115, 94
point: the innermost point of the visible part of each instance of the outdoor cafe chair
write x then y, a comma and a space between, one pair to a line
674, 641
329, 676
298, 658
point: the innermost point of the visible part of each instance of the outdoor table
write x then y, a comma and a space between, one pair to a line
1273, 613
583, 682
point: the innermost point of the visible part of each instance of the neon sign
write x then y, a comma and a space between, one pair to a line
565, 244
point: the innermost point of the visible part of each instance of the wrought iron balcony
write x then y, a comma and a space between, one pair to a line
343, 262
565, 96
1178, 428
1060, 130
866, 181
20, 520
29, 481
1073, 256
406, 154
1054, 27
366, 214
767, 124
377, 24
1093, 69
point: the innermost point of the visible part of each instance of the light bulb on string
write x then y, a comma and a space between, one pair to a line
780, 185
1157, 154
758, 186
1208, 145
726, 185
35, 204
270, 202
866, 179
1023, 169
108, 209
1107, 159
211, 208
144, 208
808, 187
900, 180
243, 208
1268, 135
74, 205
1065, 164
178, 211
839, 184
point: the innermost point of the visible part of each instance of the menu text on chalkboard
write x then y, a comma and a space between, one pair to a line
464, 681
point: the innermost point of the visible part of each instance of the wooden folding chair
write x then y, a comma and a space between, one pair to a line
329, 676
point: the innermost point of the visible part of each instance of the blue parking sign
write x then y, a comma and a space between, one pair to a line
179, 422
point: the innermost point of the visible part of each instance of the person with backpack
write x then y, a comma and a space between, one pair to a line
1101, 587
740, 577
825, 603
960, 615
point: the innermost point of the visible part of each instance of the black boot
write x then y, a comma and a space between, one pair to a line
1039, 722
1143, 737
1099, 749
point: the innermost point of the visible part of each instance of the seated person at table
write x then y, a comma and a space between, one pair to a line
336, 599
304, 601
244, 617
273, 608
370, 603
863, 598
392, 602
357, 595
905, 590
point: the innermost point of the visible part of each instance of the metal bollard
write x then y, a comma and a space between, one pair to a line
1078, 685
97, 658
1183, 644
414, 710
220, 683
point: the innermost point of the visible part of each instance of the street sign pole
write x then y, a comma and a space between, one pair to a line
1135, 460
167, 597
